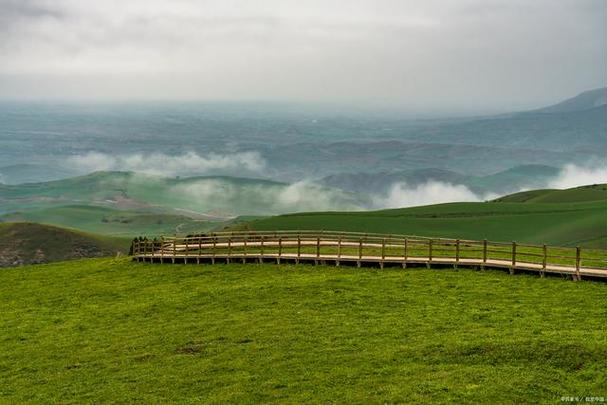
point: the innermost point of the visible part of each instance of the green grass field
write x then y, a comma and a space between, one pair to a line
561, 224
109, 330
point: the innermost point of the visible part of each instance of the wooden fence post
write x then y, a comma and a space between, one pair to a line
383, 253
484, 254
214, 249
429, 253
360, 248
544, 260
457, 252
229, 248
279, 249
317, 248
383, 248
513, 257
338, 250
578, 259
298, 247
261, 250
360, 251
161, 249
185, 256
406, 253
174, 250
199, 252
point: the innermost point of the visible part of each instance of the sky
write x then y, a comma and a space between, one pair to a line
425, 55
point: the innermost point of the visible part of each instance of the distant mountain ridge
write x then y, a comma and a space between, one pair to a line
502, 182
584, 101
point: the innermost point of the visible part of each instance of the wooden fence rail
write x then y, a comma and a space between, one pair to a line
367, 249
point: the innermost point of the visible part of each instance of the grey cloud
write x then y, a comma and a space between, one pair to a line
499, 54
14, 13
27, 9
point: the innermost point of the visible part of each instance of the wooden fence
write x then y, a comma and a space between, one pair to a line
367, 249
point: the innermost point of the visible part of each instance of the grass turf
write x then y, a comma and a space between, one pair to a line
566, 224
112, 330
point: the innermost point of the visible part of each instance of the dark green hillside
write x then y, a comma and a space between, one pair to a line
595, 192
108, 331
26, 243
524, 196
566, 224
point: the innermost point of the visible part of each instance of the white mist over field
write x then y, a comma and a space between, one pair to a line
402, 195
306, 194
264, 198
189, 163
433, 192
574, 176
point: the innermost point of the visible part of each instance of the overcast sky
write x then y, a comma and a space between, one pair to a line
415, 55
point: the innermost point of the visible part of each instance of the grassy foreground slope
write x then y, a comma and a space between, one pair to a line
106, 330
566, 224
26, 243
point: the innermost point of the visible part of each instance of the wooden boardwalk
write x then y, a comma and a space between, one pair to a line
371, 250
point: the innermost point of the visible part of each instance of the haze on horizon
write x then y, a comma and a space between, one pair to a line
460, 55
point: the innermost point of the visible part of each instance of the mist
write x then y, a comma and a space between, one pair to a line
190, 163
402, 195
304, 194
574, 176
264, 199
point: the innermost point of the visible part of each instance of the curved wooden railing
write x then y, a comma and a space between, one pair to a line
363, 249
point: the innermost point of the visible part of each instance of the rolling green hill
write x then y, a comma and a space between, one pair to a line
210, 197
595, 192
129, 204
109, 221
26, 243
106, 330
565, 224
